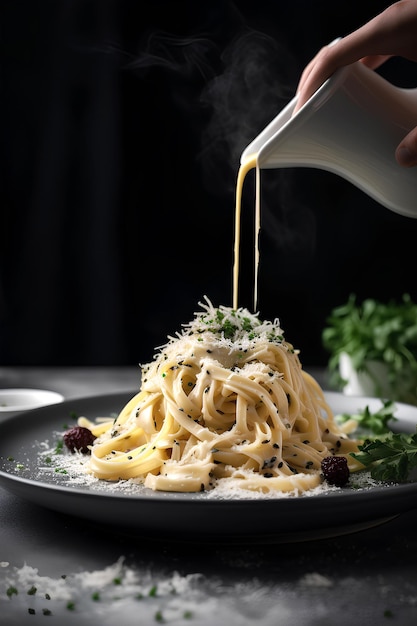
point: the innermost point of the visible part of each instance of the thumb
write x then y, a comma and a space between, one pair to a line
406, 152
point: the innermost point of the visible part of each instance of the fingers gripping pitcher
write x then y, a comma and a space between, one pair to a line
351, 126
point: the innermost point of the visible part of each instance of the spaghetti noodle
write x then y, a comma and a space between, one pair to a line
226, 399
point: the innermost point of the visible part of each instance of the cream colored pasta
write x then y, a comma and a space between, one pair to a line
226, 398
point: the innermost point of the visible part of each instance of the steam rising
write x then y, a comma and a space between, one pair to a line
242, 87
243, 98
236, 90
184, 56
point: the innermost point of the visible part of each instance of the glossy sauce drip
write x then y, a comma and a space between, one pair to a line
249, 164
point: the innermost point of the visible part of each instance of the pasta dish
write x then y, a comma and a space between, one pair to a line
225, 399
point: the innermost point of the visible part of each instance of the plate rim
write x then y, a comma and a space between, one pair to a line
124, 396
400, 494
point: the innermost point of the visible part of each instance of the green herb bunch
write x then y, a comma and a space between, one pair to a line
375, 331
387, 455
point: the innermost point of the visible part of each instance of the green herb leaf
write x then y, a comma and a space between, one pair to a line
11, 591
377, 422
391, 459
59, 446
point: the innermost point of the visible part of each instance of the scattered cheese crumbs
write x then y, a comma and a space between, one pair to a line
119, 593
235, 329
227, 490
226, 333
104, 593
71, 469
103, 596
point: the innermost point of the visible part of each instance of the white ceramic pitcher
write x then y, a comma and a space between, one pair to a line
351, 126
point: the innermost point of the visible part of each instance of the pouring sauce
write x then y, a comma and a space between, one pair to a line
248, 164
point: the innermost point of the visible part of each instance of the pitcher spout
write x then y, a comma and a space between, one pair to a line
351, 126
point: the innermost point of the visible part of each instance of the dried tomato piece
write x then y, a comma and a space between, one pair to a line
335, 470
79, 438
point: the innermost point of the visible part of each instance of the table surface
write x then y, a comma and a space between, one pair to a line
76, 572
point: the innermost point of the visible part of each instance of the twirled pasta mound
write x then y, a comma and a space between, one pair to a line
225, 399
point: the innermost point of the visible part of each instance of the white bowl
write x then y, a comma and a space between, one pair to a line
374, 381
15, 400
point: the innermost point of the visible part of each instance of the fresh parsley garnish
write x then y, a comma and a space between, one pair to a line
390, 459
377, 422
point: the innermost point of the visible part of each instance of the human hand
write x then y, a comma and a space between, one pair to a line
391, 33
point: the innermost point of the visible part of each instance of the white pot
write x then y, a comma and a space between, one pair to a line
374, 381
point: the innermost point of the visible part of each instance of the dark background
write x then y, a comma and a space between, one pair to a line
122, 125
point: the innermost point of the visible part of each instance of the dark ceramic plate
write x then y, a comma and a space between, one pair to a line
192, 517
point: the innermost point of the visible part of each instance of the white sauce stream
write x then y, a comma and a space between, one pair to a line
246, 166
